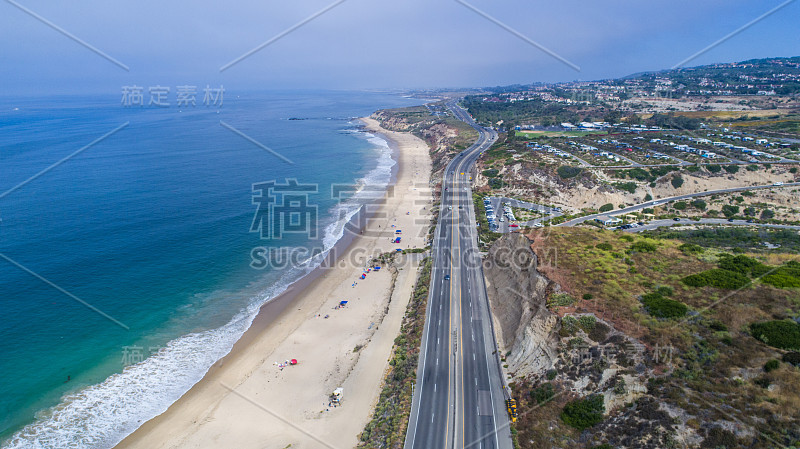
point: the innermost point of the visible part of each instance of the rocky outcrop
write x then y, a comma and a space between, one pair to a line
526, 331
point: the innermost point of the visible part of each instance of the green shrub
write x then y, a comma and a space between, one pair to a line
627, 186
729, 210
661, 307
752, 167
677, 181
714, 168
584, 413
491, 173
626, 238
680, 205
606, 207
782, 277
587, 296
718, 278
767, 214
691, 248
604, 246
495, 183
781, 281
740, 264
762, 382
643, 247
569, 324
543, 394
551, 374
648, 197
699, 204
587, 322
772, 365
782, 334
560, 299
731, 168
566, 171
792, 358
718, 326
665, 290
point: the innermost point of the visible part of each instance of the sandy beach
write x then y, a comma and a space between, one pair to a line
247, 400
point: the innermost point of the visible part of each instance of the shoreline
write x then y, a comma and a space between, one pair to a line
277, 330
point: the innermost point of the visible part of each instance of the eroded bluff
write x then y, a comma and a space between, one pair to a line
517, 296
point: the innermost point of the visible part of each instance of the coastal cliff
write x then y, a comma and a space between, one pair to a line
527, 332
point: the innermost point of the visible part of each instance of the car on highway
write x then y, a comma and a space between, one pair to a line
446, 277
513, 225
676, 219
538, 225
778, 183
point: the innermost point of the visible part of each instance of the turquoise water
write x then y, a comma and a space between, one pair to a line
148, 235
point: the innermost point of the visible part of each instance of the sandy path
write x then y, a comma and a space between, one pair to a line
246, 401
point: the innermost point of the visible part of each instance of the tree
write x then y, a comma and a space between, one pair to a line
766, 214
613, 116
606, 207
677, 181
648, 197
699, 204
750, 211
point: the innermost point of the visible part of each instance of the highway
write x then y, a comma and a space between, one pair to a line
458, 399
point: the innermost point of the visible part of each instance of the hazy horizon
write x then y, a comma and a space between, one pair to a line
358, 45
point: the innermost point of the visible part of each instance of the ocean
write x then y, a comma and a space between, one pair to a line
126, 265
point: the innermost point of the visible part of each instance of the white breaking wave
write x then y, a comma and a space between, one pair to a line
102, 415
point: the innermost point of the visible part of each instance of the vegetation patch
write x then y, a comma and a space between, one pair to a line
627, 186
782, 334
584, 413
787, 276
566, 171
560, 299
660, 307
387, 427
643, 247
718, 278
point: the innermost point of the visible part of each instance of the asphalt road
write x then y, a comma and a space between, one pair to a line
458, 400
660, 201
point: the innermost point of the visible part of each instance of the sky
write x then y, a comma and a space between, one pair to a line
377, 44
